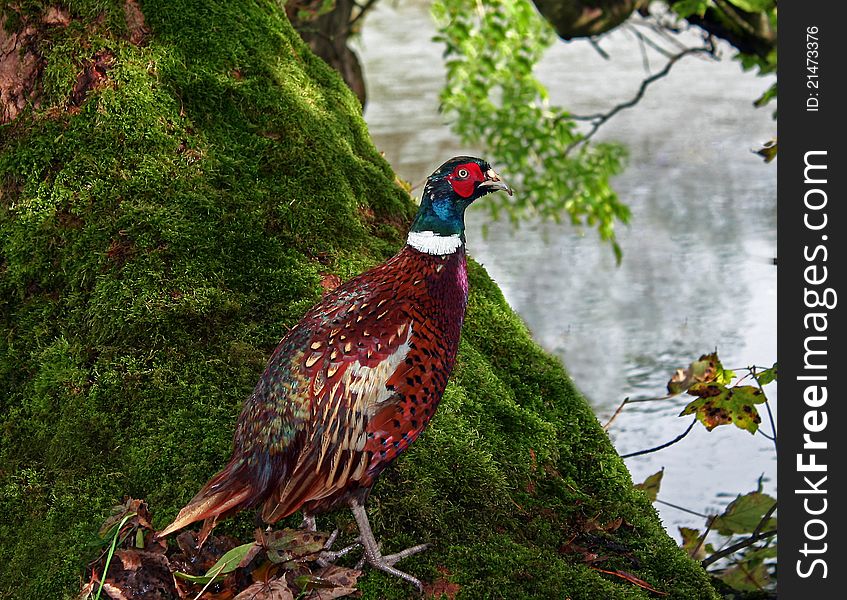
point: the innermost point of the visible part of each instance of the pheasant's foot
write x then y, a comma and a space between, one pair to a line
392, 559
373, 555
331, 539
384, 563
327, 557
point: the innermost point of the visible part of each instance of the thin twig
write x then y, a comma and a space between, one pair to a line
596, 45
663, 30
736, 547
665, 445
648, 42
599, 119
764, 519
753, 371
773, 422
417, 185
363, 9
703, 537
617, 412
642, 47
683, 509
665, 397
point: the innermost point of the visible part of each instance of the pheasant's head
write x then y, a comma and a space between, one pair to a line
448, 192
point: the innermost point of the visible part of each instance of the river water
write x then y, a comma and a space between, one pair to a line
697, 272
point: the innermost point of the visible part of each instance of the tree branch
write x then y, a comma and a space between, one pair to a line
736, 547
596, 45
764, 519
599, 119
748, 541
363, 8
645, 40
683, 509
665, 445
617, 412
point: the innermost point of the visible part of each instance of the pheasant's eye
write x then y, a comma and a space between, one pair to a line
462, 173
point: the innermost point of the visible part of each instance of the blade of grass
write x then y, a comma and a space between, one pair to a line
112, 553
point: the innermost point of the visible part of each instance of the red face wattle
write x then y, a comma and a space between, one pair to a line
464, 178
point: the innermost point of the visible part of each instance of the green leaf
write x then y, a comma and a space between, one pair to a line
692, 544
293, 544
686, 8
768, 95
747, 577
718, 405
651, 485
744, 514
226, 564
753, 6
768, 375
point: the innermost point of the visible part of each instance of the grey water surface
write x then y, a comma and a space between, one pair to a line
697, 272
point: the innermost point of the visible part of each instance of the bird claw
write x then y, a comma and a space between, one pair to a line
373, 553
331, 539
393, 559
386, 564
329, 556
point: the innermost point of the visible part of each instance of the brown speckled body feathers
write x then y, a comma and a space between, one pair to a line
345, 392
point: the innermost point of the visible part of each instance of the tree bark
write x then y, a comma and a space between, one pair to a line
586, 18
327, 35
749, 33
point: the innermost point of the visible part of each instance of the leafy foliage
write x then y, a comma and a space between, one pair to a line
751, 18
749, 532
717, 404
491, 94
275, 565
491, 97
747, 523
703, 369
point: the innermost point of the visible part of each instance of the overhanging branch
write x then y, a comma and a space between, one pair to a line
598, 119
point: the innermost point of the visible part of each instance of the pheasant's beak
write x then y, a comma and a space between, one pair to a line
493, 181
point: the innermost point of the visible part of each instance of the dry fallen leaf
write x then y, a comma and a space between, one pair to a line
267, 590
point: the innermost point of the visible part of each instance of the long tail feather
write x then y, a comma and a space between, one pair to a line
227, 492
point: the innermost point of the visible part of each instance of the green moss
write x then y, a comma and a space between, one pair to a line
156, 242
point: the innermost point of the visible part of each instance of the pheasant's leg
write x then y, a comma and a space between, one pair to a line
308, 522
327, 555
374, 557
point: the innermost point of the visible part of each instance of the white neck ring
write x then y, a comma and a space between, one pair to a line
430, 242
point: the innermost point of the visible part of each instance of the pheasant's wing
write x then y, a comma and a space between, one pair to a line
303, 427
350, 365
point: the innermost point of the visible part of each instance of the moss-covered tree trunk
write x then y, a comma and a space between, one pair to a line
177, 181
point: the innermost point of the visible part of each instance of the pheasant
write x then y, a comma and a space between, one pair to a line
357, 379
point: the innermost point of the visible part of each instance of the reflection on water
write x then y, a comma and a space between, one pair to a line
698, 269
